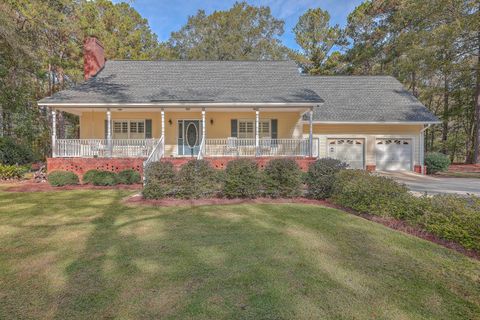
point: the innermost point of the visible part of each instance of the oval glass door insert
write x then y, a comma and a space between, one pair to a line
192, 135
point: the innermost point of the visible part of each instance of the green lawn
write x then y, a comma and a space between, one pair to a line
84, 255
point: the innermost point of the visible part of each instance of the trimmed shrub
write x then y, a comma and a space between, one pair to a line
129, 176
160, 180
13, 153
282, 178
241, 179
8, 172
455, 218
365, 192
105, 178
88, 176
197, 179
321, 177
62, 178
436, 162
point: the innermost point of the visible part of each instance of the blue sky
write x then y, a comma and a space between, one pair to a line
166, 16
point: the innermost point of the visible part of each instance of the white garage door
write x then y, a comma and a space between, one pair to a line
350, 151
393, 154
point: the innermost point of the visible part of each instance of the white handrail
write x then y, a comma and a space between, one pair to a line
201, 151
156, 154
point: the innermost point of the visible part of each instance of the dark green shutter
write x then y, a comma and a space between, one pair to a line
105, 131
148, 128
234, 125
274, 124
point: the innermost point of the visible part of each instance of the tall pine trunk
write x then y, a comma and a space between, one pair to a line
476, 150
1, 120
446, 96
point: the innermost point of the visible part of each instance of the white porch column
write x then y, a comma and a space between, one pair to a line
54, 133
310, 136
422, 151
257, 138
163, 127
109, 131
203, 123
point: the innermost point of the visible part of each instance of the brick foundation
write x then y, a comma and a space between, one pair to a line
370, 167
418, 169
81, 165
220, 163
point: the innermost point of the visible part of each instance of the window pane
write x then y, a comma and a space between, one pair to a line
117, 127
133, 127
180, 129
264, 129
141, 127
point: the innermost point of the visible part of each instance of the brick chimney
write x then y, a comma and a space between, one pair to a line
93, 57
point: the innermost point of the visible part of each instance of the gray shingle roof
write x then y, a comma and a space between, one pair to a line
366, 99
184, 81
345, 98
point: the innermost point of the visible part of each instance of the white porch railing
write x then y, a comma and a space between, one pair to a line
266, 148
101, 148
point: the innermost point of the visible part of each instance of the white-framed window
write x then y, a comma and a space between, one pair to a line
128, 129
246, 129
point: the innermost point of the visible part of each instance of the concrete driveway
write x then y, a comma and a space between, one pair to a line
435, 185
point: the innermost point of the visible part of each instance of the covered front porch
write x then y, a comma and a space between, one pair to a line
155, 133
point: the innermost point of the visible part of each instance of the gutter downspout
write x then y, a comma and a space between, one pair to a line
422, 146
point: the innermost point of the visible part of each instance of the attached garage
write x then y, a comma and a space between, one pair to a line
350, 151
393, 154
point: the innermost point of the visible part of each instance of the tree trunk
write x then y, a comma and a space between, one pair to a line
414, 84
445, 116
61, 125
476, 150
1, 121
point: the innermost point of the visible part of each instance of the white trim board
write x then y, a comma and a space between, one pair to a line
374, 122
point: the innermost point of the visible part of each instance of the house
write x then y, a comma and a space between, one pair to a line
136, 112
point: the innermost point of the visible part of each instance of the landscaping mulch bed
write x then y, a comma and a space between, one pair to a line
29, 186
391, 223
404, 227
171, 202
464, 168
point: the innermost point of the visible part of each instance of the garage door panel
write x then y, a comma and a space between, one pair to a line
350, 151
393, 154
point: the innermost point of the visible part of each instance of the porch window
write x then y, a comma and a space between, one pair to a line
129, 129
246, 129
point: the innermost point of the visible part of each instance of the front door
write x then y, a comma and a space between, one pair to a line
189, 137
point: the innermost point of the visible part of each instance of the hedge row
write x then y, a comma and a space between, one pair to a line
451, 217
95, 177
241, 179
8, 172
